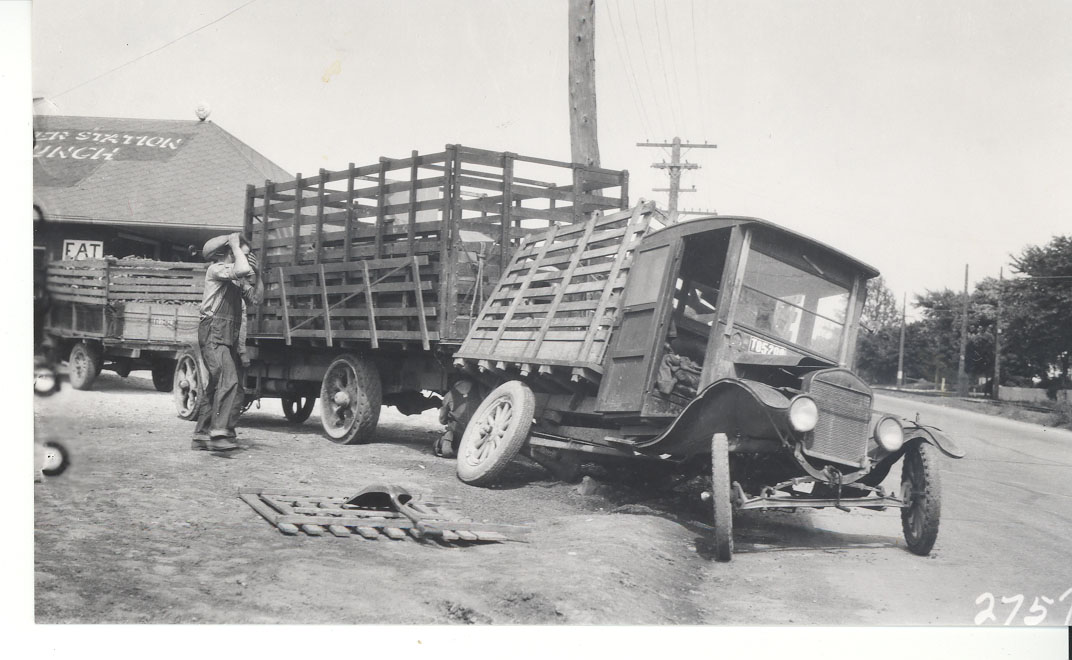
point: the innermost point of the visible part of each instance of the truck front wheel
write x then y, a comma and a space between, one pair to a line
350, 399
496, 433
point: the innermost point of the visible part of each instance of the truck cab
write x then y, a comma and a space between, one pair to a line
728, 297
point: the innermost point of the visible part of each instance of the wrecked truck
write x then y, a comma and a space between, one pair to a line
720, 346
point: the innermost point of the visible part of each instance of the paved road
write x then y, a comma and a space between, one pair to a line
1006, 530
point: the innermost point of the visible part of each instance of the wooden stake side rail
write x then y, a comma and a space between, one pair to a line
461, 212
558, 300
111, 281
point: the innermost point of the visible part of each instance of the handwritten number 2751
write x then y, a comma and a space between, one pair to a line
1036, 613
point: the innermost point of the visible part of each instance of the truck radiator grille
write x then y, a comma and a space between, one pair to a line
844, 403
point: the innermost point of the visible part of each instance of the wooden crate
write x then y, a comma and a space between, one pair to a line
137, 299
558, 300
431, 234
158, 322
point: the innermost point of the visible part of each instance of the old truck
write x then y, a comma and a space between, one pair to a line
718, 346
373, 275
123, 315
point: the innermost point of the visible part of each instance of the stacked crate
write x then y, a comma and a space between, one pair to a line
130, 299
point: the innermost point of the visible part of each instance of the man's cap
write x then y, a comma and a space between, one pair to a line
217, 243
214, 245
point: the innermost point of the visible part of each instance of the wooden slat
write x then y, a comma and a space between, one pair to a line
327, 307
394, 533
419, 295
368, 532
297, 217
339, 530
283, 298
370, 305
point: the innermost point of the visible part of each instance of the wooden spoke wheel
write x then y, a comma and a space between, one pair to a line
298, 409
187, 386
496, 433
920, 488
350, 399
720, 496
83, 365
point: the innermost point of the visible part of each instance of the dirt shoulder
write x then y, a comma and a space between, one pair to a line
1008, 410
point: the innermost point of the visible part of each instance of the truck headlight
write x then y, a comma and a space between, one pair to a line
803, 413
889, 434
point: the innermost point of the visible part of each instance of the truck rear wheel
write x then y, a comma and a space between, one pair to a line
720, 496
84, 365
187, 385
297, 409
350, 399
496, 433
163, 375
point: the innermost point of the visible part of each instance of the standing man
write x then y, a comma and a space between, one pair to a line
227, 286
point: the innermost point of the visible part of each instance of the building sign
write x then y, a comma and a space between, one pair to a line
73, 250
63, 157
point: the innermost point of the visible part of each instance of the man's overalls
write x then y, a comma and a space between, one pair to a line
222, 399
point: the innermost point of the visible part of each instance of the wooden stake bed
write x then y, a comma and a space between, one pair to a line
320, 515
558, 300
405, 250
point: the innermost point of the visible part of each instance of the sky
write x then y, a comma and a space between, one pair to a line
918, 136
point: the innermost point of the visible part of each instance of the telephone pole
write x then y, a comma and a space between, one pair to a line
674, 168
584, 138
962, 375
995, 392
900, 351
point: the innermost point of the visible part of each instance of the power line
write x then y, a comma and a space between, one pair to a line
644, 49
662, 65
696, 69
673, 58
155, 50
627, 59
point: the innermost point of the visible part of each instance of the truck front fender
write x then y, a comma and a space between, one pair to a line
934, 436
731, 406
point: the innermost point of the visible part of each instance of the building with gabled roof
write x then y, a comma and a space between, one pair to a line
138, 187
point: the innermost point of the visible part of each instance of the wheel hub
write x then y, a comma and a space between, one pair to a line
341, 398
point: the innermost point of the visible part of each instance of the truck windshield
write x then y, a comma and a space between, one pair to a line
792, 304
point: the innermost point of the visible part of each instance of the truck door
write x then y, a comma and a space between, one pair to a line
627, 370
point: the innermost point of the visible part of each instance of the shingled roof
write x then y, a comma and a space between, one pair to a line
168, 174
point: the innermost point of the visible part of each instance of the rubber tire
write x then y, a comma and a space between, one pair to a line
297, 410
163, 376
55, 460
720, 497
187, 369
366, 398
482, 470
83, 365
920, 483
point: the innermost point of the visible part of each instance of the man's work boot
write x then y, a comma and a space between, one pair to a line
222, 443
199, 441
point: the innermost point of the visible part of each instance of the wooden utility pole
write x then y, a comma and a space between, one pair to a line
995, 393
962, 374
584, 138
900, 351
674, 168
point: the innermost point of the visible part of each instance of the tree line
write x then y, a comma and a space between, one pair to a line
1033, 306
